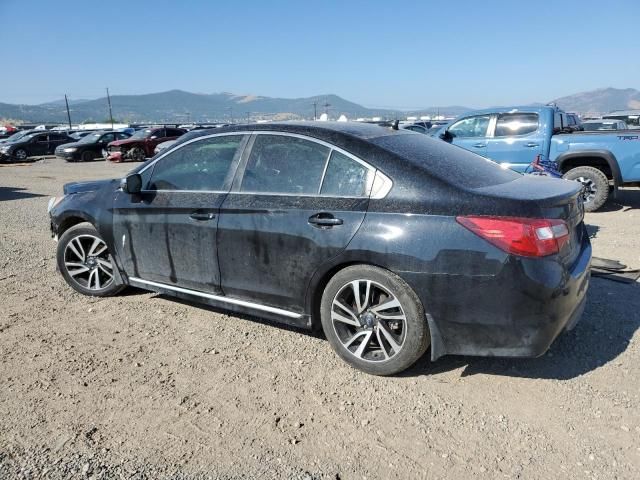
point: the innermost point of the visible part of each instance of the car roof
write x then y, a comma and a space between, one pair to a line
521, 108
321, 130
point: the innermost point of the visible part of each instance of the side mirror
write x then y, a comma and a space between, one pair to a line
153, 137
447, 136
132, 183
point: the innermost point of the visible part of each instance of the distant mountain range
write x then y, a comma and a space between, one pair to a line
177, 106
603, 100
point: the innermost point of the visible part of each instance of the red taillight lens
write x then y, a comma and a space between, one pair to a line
529, 237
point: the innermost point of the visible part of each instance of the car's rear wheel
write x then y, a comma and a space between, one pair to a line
374, 320
595, 186
85, 262
20, 154
87, 156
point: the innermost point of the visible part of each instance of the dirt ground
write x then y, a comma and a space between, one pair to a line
143, 386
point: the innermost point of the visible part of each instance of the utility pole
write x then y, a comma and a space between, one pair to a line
66, 101
248, 117
326, 107
315, 111
110, 112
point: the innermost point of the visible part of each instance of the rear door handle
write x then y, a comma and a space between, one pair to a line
479, 145
531, 145
324, 220
202, 216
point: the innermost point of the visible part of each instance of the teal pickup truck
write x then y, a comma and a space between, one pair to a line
514, 137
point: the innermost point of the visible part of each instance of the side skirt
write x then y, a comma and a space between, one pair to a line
226, 303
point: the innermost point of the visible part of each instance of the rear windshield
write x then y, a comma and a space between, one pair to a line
449, 163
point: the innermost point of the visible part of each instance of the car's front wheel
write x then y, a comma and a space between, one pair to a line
20, 154
85, 262
87, 156
374, 320
137, 154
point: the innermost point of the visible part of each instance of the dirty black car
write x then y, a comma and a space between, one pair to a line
35, 144
389, 241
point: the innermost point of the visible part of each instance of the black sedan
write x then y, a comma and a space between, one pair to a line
89, 147
387, 240
32, 145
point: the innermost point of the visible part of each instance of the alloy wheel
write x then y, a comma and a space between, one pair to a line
21, 154
369, 321
86, 259
589, 189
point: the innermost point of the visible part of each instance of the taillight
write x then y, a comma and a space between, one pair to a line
529, 237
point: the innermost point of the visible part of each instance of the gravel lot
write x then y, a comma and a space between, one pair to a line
142, 386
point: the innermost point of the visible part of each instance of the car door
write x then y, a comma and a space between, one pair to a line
56, 139
516, 140
39, 145
158, 135
103, 141
296, 203
167, 233
470, 133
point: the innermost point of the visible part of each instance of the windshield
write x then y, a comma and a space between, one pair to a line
591, 126
16, 136
141, 134
91, 138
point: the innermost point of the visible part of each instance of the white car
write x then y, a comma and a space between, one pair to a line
162, 146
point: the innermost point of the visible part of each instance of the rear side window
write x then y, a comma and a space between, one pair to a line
470, 127
201, 165
283, 164
518, 123
173, 132
345, 177
451, 164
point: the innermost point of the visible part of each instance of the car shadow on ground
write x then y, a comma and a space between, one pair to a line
604, 332
623, 201
16, 193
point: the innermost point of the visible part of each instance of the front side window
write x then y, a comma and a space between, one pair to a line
108, 137
159, 133
286, 165
345, 177
200, 166
470, 127
510, 124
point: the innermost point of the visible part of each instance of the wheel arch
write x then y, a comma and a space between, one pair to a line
71, 220
590, 158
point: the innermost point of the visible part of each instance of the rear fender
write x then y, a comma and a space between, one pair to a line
572, 156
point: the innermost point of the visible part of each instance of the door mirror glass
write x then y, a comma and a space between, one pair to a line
153, 137
132, 183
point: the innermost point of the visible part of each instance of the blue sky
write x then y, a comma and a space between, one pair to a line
397, 54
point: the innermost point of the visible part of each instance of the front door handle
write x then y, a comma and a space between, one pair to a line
479, 145
324, 220
202, 216
531, 145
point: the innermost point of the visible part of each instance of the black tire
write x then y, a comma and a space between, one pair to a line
595, 184
413, 330
20, 154
87, 156
80, 271
137, 154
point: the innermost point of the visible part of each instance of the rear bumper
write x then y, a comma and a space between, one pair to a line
517, 313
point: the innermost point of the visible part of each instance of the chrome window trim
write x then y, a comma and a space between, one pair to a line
373, 172
218, 298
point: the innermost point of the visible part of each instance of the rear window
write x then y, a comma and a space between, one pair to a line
446, 162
